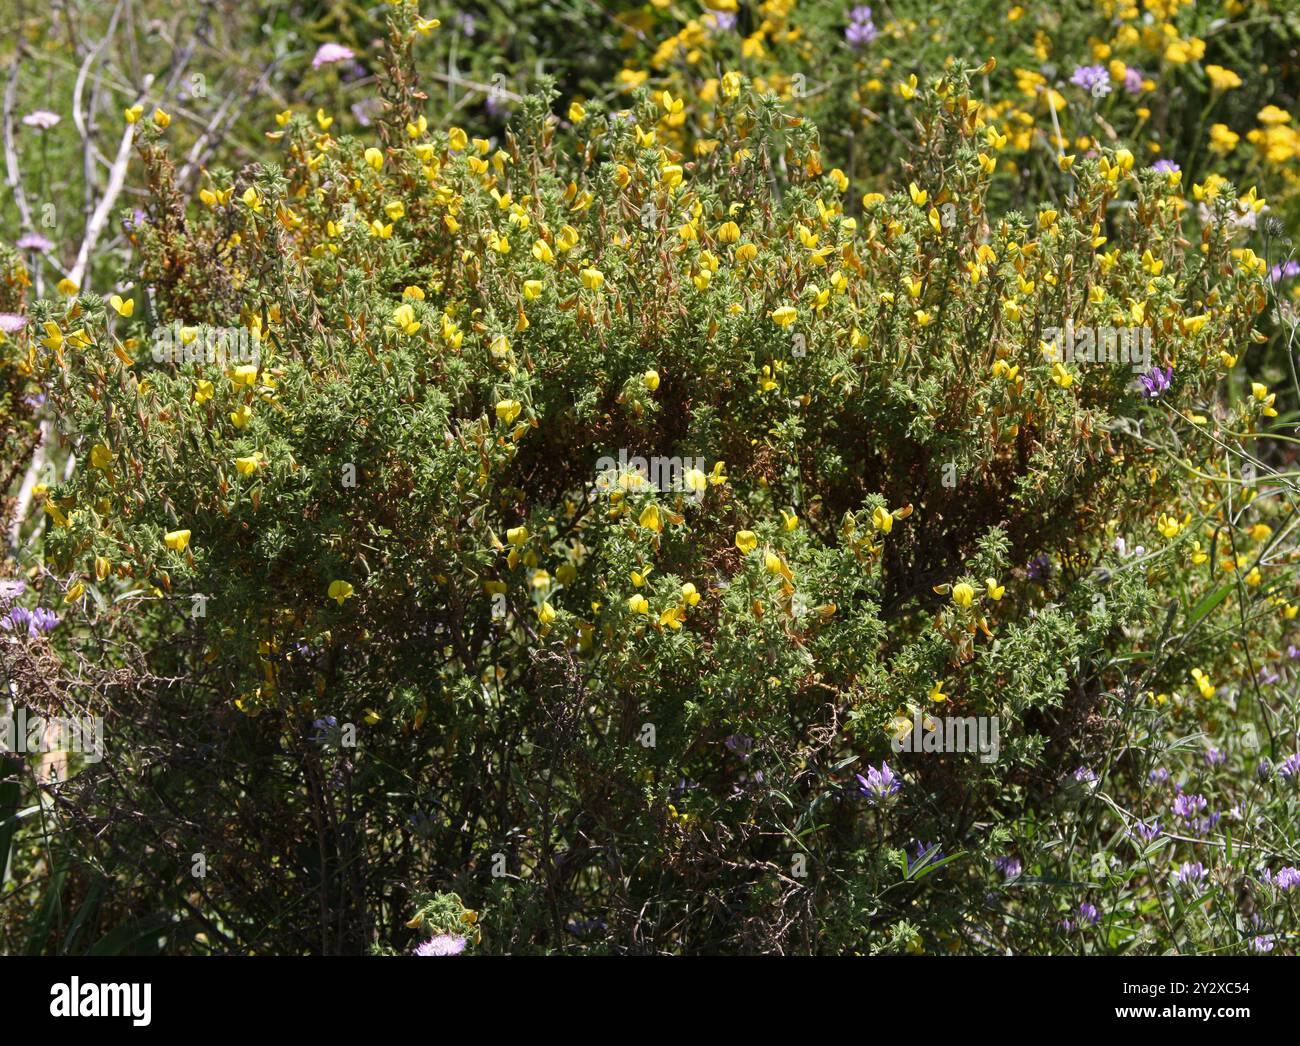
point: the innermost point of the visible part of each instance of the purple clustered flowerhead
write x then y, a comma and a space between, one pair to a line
1132, 80
36, 622
861, 30
1088, 914
1145, 831
741, 744
919, 850
331, 54
442, 944
1010, 867
1155, 381
11, 322
1291, 767
1285, 271
1262, 945
1083, 775
1214, 757
34, 241
1165, 167
720, 21
1190, 874
323, 727
1092, 78
1287, 878
878, 785
1158, 776
1039, 568
1189, 807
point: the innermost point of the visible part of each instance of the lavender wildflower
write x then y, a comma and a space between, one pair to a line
1092, 78
1155, 381
331, 54
442, 944
878, 785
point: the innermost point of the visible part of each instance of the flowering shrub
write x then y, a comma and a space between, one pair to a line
609, 530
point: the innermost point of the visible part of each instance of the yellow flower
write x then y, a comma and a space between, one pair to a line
995, 590
532, 289
729, 232
1222, 79
203, 391
576, 112
789, 521
244, 374
374, 158
247, 466
546, 613
508, 410
962, 594
1168, 525
746, 541
784, 316
690, 596
122, 308
457, 139
161, 117
649, 518
134, 113
638, 604
936, 692
101, 457
882, 519
240, 416
75, 593
592, 279
651, 380
339, 591
176, 540
919, 196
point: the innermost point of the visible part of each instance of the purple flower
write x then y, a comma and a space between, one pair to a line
329, 54
1040, 567
1291, 767
466, 23
1189, 806
34, 622
1147, 832
1287, 877
11, 589
1158, 776
920, 850
11, 322
1132, 80
1283, 272
1264, 769
1190, 874
1088, 914
861, 29
1155, 381
1262, 944
1214, 757
323, 728
442, 944
34, 241
41, 119
720, 21
1083, 775
741, 744
1267, 676
1165, 167
878, 785
1092, 78
1009, 866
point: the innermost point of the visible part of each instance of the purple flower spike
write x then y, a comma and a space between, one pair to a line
878, 785
1156, 381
